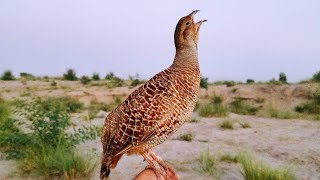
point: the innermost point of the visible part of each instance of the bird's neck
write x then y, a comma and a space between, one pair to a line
186, 57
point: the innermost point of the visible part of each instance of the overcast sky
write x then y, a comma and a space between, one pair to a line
242, 39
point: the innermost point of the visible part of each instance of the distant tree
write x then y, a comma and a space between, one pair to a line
95, 76
204, 82
70, 75
250, 81
282, 77
85, 80
7, 76
110, 76
316, 77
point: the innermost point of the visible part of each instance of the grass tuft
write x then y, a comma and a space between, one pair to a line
213, 109
187, 137
245, 124
253, 170
283, 114
227, 124
239, 106
208, 162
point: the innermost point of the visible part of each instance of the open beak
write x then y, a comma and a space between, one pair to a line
193, 13
192, 16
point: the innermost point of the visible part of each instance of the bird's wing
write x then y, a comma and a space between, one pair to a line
132, 123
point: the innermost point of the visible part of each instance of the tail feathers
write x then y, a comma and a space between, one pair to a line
105, 171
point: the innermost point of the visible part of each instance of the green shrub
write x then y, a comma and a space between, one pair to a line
53, 83
11, 139
95, 76
63, 103
7, 76
230, 83
316, 77
204, 82
273, 81
250, 81
70, 75
252, 170
187, 137
51, 152
283, 114
115, 82
96, 106
217, 100
212, 110
208, 162
85, 80
227, 124
245, 124
283, 78
312, 106
238, 106
27, 76
135, 82
62, 162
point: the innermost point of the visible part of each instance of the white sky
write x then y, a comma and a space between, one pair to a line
242, 39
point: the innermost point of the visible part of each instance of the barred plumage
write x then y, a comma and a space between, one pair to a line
158, 108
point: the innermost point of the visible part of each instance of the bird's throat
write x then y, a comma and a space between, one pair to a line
186, 57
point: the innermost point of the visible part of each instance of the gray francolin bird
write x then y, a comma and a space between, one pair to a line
157, 109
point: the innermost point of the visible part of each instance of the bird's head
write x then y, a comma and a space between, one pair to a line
187, 32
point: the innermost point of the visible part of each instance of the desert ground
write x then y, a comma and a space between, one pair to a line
292, 143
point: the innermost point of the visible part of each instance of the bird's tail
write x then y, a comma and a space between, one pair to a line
104, 171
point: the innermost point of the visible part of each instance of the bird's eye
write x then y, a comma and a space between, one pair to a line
188, 23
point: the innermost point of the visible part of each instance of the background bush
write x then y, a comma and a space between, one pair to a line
7, 76
70, 75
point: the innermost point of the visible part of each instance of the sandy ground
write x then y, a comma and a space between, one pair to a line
293, 143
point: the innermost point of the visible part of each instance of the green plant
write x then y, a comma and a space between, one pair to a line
217, 100
316, 77
7, 76
273, 81
227, 124
11, 139
212, 110
283, 77
253, 170
240, 107
245, 124
27, 76
275, 113
70, 75
61, 161
204, 82
85, 80
53, 83
95, 105
187, 137
250, 81
110, 76
230, 83
51, 151
208, 162
95, 76
312, 106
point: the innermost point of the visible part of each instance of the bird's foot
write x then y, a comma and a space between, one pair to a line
160, 167
166, 166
